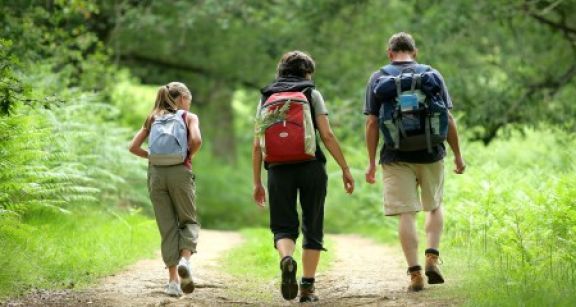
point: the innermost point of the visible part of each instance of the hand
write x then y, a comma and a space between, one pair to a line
459, 165
259, 195
348, 180
371, 173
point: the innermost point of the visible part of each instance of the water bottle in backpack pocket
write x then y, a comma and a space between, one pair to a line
168, 142
413, 115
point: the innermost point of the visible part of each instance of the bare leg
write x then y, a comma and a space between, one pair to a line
310, 259
434, 226
285, 247
172, 273
409, 237
186, 254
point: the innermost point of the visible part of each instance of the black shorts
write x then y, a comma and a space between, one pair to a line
285, 183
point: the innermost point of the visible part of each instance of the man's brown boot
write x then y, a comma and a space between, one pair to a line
416, 279
431, 268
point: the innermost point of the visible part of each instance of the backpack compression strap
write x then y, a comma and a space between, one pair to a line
416, 70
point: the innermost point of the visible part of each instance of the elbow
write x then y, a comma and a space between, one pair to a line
451, 119
132, 148
196, 143
372, 123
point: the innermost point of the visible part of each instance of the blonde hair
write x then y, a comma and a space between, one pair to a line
166, 100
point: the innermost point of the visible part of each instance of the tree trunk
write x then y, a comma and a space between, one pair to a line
217, 119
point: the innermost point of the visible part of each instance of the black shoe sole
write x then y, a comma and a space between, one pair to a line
434, 278
187, 287
183, 272
289, 287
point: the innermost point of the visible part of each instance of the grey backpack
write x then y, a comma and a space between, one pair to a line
168, 143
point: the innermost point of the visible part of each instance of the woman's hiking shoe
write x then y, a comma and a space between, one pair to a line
173, 289
289, 287
431, 269
416, 279
307, 293
185, 273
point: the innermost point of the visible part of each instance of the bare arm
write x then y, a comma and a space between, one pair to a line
259, 193
194, 136
372, 136
137, 141
331, 143
454, 143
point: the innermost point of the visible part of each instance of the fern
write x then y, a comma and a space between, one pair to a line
60, 158
270, 117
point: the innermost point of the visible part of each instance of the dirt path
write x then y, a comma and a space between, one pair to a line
363, 274
368, 274
141, 284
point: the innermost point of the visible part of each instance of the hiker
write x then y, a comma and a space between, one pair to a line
410, 103
290, 112
174, 139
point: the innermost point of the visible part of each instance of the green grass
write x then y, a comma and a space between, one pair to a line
51, 250
256, 262
510, 220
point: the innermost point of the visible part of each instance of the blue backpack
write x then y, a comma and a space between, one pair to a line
413, 115
168, 143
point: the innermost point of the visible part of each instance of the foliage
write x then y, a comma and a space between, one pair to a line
59, 142
509, 220
223, 194
512, 216
505, 71
61, 158
271, 116
67, 111
69, 251
52, 37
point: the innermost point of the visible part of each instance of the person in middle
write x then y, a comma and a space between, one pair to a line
289, 113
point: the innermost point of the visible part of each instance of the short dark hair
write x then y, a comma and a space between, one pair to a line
295, 63
401, 42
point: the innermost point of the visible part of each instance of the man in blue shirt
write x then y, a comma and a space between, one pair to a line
413, 180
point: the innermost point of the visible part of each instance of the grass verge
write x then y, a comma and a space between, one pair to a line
53, 251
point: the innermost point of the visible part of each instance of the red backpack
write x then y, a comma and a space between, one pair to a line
286, 128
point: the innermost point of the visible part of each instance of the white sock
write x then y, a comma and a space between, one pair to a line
185, 262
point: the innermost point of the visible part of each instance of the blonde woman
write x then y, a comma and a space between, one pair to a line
174, 138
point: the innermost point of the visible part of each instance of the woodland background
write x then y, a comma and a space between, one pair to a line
78, 77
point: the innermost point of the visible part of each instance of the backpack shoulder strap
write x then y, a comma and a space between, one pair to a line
390, 70
394, 71
184, 116
422, 68
308, 93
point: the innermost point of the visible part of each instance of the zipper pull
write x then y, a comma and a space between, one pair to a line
284, 123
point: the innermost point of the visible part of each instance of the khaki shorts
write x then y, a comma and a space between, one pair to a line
401, 183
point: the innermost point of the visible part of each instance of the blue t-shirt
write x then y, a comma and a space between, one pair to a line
388, 154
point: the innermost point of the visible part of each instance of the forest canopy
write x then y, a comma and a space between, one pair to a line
506, 62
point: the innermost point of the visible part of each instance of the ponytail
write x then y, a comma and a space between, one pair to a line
166, 100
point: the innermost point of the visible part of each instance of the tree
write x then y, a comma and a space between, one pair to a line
501, 60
